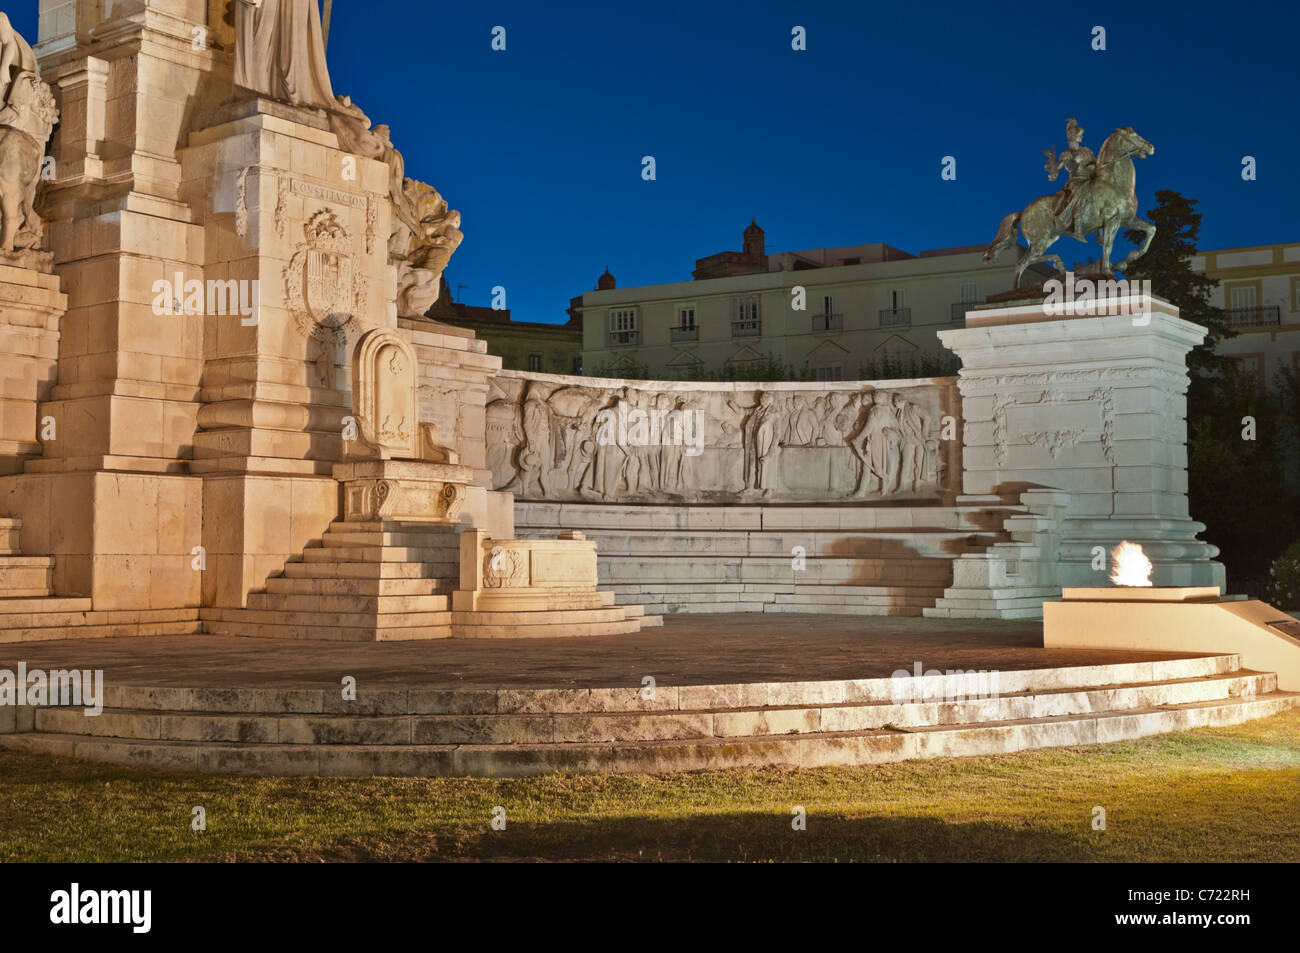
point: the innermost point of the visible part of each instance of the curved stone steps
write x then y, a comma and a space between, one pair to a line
636, 726
629, 698
794, 750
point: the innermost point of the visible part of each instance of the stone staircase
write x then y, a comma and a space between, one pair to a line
30, 612
441, 731
387, 581
1011, 578
365, 581
889, 559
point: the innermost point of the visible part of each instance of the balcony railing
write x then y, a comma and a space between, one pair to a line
893, 317
1258, 317
747, 328
683, 334
827, 322
960, 308
622, 338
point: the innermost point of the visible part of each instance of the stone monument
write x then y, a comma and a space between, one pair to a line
241, 375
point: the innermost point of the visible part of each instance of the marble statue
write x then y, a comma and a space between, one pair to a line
27, 116
1099, 197
280, 52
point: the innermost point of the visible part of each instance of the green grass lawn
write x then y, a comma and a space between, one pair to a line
1224, 794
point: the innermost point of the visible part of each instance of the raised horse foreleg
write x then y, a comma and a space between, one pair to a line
1142, 226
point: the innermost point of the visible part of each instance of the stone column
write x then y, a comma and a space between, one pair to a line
1092, 402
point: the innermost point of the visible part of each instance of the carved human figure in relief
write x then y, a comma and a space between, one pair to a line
536, 457
280, 52
803, 426
671, 456
911, 426
882, 445
504, 434
759, 441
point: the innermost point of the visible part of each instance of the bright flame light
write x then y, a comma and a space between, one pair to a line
1132, 568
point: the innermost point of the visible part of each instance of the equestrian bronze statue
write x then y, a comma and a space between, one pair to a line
1099, 197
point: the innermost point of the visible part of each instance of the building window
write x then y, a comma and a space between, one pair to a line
970, 296
1244, 309
534, 362
577, 366
831, 372
622, 327
828, 320
898, 312
685, 329
745, 321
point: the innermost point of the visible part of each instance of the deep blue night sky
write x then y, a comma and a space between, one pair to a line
540, 147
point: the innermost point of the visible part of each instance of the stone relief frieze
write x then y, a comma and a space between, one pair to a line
556, 439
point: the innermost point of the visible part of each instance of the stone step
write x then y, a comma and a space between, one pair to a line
629, 698
42, 605
614, 570
335, 586
321, 569
370, 619
384, 554
369, 539
806, 750
328, 605
320, 632
593, 727
391, 526
942, 544
545, 630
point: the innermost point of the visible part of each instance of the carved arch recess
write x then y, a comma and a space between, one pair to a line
384, 393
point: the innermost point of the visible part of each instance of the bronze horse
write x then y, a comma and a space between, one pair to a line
1108, 202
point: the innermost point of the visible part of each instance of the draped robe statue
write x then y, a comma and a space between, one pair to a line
27, 115
280, 52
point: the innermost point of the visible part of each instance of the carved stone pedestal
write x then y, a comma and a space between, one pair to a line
521, 588
405, 490
1091, 402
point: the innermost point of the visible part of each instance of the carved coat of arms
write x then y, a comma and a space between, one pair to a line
324, 286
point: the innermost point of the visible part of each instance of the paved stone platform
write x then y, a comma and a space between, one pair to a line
730, 691
686, 650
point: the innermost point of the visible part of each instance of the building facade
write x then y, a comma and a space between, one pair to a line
826, 314
521, 345
1259, 287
